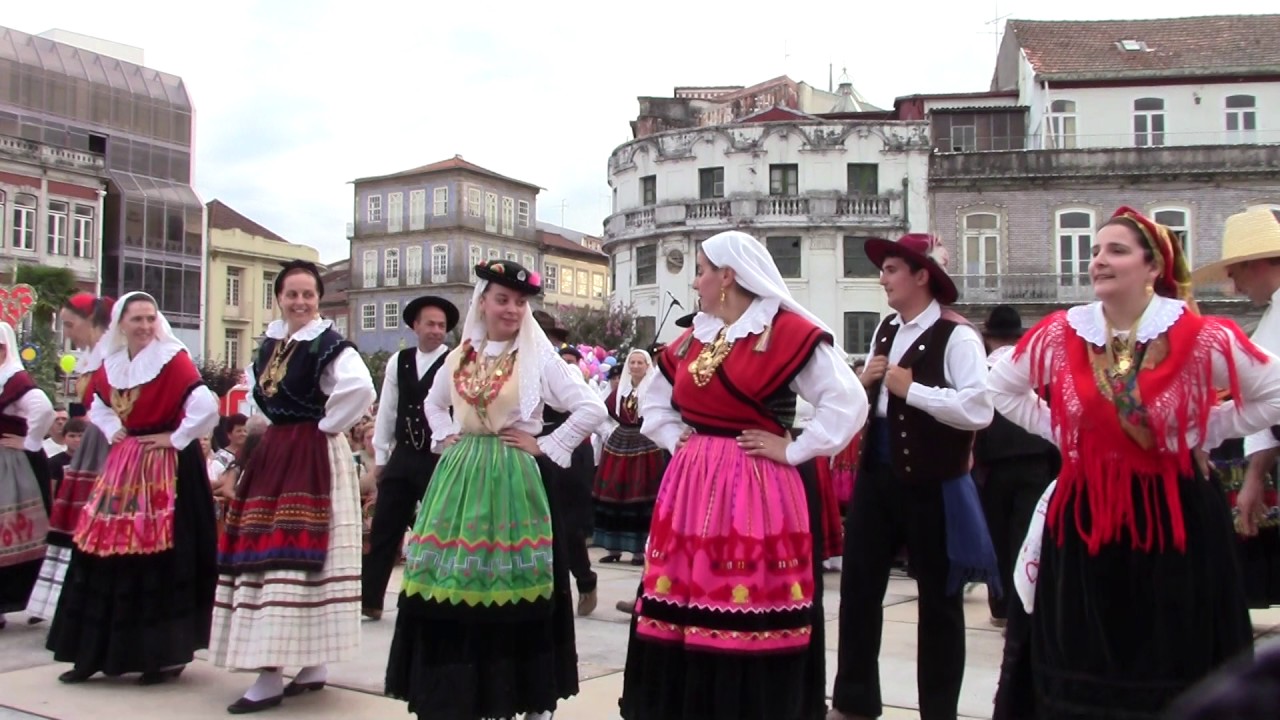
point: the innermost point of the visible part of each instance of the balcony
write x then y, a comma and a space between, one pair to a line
51, 156
1051, 289
885, 211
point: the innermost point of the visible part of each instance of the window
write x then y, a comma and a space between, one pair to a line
391, 267
508, 216
711, 183
56, 231
1062, 124
856, 262
786, 254
495, 254
440, 202
491, 212
584, 283
649, 190
1075, 240
24, 221
473, 202
859, 327
417, 209
981, 249
390, 315
233, 287
512, 256
1242, 118
529, 262
439, 263
268, 291
1178, 222
82, 240
475, 257
646, 265
964, 134
231, 348
597, 285
395, 212
340, 324
549, 277
784, 179
368, 316
566, 282
374, 211
863, 179
413, 265
370, 268
522, 213
1148, 122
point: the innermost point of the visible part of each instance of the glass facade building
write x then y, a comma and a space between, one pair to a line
141, 121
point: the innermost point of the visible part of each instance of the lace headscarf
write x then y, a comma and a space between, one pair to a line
531, 345
625, 385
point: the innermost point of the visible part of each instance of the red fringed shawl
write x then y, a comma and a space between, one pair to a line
1112, 456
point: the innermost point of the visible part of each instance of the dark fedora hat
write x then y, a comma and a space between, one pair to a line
557, 335
415, 306
511, 274
1004, 323
923, 250
685, 320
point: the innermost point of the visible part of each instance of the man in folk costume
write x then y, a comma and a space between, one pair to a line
926, 378
402, 442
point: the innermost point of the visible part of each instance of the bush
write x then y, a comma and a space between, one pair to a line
612, 329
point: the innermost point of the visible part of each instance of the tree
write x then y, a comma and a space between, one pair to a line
613, 328
377, 363
52, 286
219, 376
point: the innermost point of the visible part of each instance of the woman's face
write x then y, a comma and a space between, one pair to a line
139, 322
708, 282
75, 328
299, 298
637, 365
1119, 268
503, 310
237, 436
205, 446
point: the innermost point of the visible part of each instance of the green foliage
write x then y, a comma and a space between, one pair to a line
219, 376
613, 328
52, 285
377, 363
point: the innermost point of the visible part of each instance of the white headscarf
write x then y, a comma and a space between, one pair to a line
755, 272
12, 360
125, 372
532, 346
624, 382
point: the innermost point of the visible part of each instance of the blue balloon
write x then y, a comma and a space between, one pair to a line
611, 361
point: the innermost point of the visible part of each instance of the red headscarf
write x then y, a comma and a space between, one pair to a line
1171, 261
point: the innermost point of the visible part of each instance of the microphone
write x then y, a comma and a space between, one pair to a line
674, 301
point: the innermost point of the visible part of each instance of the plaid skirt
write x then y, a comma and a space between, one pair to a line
295, 618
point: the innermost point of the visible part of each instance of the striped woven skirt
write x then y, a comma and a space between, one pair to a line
294, 618
626, 486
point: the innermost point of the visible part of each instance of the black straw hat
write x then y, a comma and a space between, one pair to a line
415, 306
1004, 323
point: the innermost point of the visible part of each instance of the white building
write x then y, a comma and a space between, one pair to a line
810, 187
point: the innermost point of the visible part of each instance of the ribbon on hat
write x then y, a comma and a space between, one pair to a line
1171, 260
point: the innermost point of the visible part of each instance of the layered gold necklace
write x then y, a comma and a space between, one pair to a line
704, 366
277, 366
478, 379
1121, 351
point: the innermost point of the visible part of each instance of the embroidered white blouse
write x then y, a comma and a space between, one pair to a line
35, 408
346, 380
1010, 379
562, 388
199, 410
828, 384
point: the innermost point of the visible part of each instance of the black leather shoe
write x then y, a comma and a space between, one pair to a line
75, 675
156, 677
295, 688
244, 706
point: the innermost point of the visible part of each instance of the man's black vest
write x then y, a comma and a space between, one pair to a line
413, 434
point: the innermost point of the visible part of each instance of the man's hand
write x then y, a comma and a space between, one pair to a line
1249, 503
898, 380
874, 370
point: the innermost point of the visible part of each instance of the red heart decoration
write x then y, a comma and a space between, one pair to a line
15, 303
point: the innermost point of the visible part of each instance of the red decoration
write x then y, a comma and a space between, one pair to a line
15, 303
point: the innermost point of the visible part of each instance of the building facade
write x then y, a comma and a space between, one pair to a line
244, 259
422, 231
810, 187
574, 270
96, 102
335, 305
1083, 117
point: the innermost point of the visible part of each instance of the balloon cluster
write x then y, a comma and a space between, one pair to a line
596, 362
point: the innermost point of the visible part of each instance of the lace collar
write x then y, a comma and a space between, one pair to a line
1091, 325
758, 316
312, 330
124, 372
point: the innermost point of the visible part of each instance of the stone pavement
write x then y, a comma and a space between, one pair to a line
29, 687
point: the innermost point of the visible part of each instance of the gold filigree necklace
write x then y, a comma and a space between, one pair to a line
1121, 350
704, 366
277, 366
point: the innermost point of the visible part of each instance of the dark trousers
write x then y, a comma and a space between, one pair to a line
580, 563
393, 515
1010, 490
885, 514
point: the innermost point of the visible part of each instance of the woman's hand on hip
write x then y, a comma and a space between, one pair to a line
158, 441
520, 440
13, 442
759, 443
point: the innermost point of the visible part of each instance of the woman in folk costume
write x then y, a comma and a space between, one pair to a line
832, 551
631, 468
485, 627
25, 417
139, 588
1129, 569
289, 556
85, 320
729, 621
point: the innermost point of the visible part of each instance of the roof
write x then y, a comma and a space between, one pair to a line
454, 163
555, 241
1174, 47
222, 217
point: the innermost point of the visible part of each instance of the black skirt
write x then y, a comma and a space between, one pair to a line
669, 682
140, 613
1123, 633
469, 666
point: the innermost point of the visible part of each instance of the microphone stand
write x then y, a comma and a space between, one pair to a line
657, 333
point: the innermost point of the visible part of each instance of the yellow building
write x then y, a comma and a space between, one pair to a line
244, 258
573, 273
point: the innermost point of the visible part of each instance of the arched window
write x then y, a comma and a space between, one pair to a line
1074, 231
1178, 220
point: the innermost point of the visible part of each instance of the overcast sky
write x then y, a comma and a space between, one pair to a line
295, 98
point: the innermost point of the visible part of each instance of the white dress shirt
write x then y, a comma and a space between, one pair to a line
384, 430
965, 404
1267, 337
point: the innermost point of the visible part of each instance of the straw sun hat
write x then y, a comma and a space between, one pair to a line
1250, 235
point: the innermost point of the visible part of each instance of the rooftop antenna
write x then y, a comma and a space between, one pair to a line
996, 25
563, 203
831, 68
